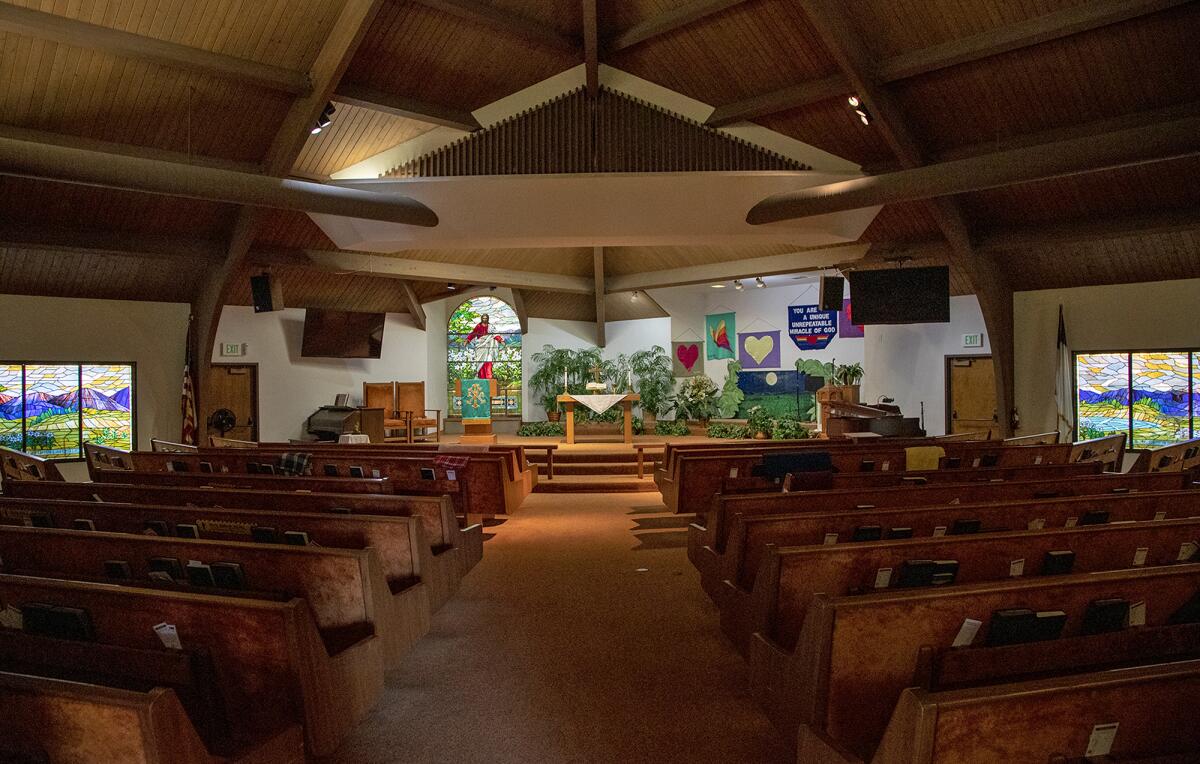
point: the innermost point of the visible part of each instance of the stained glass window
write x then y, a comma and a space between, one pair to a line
50, 410
1150, 395
483, 340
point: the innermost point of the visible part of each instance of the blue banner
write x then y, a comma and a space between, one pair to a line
810, 327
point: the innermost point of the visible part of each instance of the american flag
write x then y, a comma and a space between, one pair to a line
187, 402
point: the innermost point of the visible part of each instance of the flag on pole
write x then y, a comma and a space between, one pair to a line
187, 402
1064, 384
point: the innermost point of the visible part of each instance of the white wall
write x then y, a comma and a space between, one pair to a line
908, 362
291, 387
149, 334
1120, 317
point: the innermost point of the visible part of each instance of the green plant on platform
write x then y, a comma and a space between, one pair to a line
671, 427
541, 429
849, 374
549, 365
727, 430
697, 398
758, 420
814, 368
731, 395
653, 380
788, 429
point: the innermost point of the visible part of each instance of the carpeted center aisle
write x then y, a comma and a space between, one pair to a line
557, 649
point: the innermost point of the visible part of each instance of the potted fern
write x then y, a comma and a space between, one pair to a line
759, 423
697, 399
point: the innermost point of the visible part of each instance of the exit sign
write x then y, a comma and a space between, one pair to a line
232, 349
973, 340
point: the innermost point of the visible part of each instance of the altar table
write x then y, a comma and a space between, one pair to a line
626, 402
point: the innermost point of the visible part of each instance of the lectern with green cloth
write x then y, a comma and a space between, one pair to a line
476, 397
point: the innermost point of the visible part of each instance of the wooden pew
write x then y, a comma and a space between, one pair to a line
856, 654
455, 551
749, 536
63, 721
272, 665
707, 537
1181, 457
789, 577
250, 482
345, 589
20, 466
1046, 720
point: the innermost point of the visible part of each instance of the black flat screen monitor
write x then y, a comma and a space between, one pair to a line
901, 296
342, 334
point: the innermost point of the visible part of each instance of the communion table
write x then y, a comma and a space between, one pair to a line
600, 403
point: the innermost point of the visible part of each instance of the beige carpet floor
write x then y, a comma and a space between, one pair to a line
558, 648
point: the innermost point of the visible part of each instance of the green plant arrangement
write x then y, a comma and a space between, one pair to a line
788, 429
758, 422
697, 398
669, 427
727, 430
653, 379
849, 374
541, 429
814, 368
731, 395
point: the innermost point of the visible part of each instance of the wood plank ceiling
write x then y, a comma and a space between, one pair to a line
433, 52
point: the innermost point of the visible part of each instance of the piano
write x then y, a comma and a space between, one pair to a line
842, 418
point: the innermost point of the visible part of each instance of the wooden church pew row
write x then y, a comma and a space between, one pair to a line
1151, 708
790, 577
891, 478
855, 654
749, 536
19, 466
1181, 457
699, 477
272, 665
346, 589
455, 551
413, 576
55, 720
249, 482
707, 536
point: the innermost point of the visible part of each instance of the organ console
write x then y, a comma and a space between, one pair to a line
838, 418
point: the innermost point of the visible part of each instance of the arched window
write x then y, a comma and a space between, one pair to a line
483, 339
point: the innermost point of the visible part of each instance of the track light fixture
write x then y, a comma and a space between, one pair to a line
759, 283
860, 109
451, 287
737, 284
717, 286
325, 120
634, 296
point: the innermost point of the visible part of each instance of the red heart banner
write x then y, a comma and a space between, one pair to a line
687, 359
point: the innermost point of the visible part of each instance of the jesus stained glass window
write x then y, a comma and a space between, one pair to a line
51, 409
483, 340
1150, 396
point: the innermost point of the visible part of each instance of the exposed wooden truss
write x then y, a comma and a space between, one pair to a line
48, 26
93, 242
737, 269
518, 26
409, 108
666, 22
518, 305
1051, 26
415, 309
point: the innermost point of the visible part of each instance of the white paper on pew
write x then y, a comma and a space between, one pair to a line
1137, 614
830, 538
1139, 557
1160, 515
375, 474
975, 462
1016, 568
161, 575
96, 498
1186, 550
733, 472
11, 618
883, 577
1037, 460
451, 475
966, 632
939, 531
887, 466
1071, 522
1037, 523
1101, 741
169, 636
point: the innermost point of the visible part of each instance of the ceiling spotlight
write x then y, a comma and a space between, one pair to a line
717, 286
325, 120
758, 282
633, 297
452, 287
860, 109
737, 285
854, 102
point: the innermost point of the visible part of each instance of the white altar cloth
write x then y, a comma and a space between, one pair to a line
599, 403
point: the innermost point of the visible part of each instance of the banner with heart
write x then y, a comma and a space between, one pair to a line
718, 329
759, 350
685, 359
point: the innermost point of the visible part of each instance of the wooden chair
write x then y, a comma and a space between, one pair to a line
382, 395
410, 406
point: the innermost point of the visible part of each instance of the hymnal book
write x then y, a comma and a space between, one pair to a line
962, 527
252, 468
41, 520
168, 565
1094, 517
1016, 626
187, 531
228, 575
262, 534
900, 533
867, 533
867, 465
427, 473
206, 467
118, 569
296, 538
158, 527
1058, 562
57, 621
199, 574
1103, 616
331, 470
357, 472
83, 524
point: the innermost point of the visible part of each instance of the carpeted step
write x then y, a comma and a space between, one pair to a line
564, 456
592, 468
594, 484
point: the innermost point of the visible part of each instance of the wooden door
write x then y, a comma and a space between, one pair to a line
234, 389
971, 395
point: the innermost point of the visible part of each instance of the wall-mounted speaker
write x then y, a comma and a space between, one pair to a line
833, 289
266, 293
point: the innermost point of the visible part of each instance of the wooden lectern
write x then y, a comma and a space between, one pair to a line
477, 430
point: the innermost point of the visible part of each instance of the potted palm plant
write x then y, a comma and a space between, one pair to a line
550, 363
651, 370
849, 377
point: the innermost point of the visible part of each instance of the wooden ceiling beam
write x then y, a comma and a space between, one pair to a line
102, 242
1091, 153
364, 263
518, 305
48, 26
131, 173
591, 47
1022, 34
749, 268
403, 106
462, 292
598, 270
666, 22
415, 309
480, 12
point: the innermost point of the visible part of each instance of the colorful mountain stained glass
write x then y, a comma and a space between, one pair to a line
1148, 395
1102, 380
50, 410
